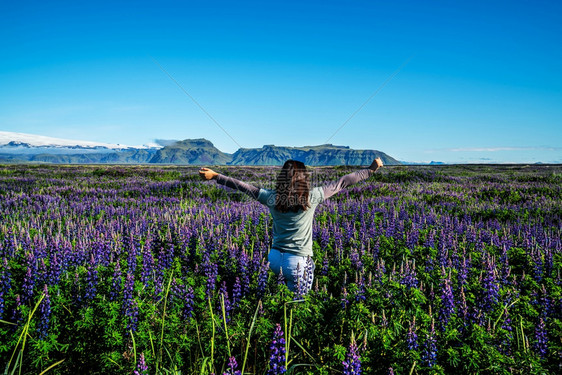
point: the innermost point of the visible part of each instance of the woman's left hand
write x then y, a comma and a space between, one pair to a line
376, 164
207, 174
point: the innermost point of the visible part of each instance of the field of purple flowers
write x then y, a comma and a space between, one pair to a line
419, 270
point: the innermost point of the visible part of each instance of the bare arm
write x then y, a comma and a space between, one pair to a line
208, 174
351, 179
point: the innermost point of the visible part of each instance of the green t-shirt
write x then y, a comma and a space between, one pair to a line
292, 231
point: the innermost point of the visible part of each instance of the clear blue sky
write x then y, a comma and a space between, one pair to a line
484, 82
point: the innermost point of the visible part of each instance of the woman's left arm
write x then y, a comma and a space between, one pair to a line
351, 179
209, 174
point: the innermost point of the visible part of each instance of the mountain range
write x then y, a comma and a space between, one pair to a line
20, 147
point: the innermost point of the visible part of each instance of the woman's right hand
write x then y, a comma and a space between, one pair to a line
376, 164
207, 174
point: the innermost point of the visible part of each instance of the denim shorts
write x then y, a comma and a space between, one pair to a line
295, 268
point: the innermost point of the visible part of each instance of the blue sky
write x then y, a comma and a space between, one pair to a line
483, 82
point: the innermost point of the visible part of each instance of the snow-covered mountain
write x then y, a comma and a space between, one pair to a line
22, 140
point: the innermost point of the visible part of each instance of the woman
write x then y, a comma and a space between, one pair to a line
292, 205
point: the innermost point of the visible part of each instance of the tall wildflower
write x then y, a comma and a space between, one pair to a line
231, 368
352, 363
188, 304
115, 283
227, 306
16, 313
277, 353
236, 292
76, 292
505, 343
429, 353
130, 305
142, 368
490, 286
447, 302
4, 284
147, 264
262, 278
29, 279
541, 343
44, 314
412, 337
91, 280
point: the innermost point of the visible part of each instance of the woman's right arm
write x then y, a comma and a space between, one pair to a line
209, 174
351, 179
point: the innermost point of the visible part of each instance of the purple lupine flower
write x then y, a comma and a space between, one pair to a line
130, 305
429, 264
5, 279
224, 292
505, 344
325, 266
324, 238
462, 275
188, 305
280, 277
390, 371
142, 368
541, 343
447, 302
360, 295
412, 337
131, 313
76, 293
409, 276
429, 352
210, 270
130, 246
91, 281
236, 292
490, 286
231, 367
463, 308
54, 272
147, 264
344, 298
352, 363
129, 287
262, 278
277, 352
355, 259
115, 283
44, 314
158, 285
29, 279
544, 302
16, 313
538, 264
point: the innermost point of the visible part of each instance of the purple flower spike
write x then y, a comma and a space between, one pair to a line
412, 338
541, 346
352, 363
429, 353
277, 350
4, 284
447, 302
231, 367
44, 314
142, 368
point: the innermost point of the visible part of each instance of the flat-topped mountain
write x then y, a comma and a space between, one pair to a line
310, 155
191, 151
